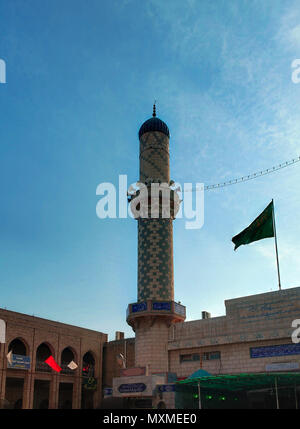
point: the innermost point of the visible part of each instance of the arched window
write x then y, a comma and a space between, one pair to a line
88, 365
17, 347
42, 353
67, 356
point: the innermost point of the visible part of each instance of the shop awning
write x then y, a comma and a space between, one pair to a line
244, 381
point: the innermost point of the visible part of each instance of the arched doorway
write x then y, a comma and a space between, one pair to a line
65, 396
41, 394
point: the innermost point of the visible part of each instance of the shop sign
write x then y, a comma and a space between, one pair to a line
132, 388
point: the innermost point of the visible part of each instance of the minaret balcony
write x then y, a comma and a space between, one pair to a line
171, 311
162, 202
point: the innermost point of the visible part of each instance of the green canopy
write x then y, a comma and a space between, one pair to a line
236, 382
199, 374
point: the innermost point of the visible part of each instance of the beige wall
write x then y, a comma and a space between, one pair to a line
235, 358
111, 350
253, 321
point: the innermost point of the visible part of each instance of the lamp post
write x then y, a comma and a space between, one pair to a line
199, 395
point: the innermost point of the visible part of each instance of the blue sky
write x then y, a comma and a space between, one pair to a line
81, 79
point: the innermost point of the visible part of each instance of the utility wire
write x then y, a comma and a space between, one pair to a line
249, 176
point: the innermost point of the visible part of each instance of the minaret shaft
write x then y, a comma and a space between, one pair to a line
155, 259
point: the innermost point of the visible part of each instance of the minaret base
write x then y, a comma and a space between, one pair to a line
151, 321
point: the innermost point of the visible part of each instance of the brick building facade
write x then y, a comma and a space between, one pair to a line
253, 337
33, 339
224, 345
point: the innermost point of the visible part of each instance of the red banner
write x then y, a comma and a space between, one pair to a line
51, 362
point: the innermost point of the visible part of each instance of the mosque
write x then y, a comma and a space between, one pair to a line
245, 358
253, 337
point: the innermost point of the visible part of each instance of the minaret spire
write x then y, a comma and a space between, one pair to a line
154, 109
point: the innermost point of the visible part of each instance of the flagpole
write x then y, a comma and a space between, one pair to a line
276, 248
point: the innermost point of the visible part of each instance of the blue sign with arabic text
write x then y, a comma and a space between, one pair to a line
166, 388
140, 306
161, 306
19, 362
279, 350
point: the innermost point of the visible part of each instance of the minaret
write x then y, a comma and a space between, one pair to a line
155, 309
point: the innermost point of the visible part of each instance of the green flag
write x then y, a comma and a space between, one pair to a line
261, 227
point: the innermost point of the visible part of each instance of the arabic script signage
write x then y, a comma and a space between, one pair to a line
140, 306
132, 388
161, 306
279, 350
19, 362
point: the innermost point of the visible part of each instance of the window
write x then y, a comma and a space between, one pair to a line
88, 365
42, 353
189, 358
192, 357
211, 356
17, 347
67, 356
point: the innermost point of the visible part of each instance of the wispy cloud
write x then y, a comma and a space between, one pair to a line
289, 29
251, 100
